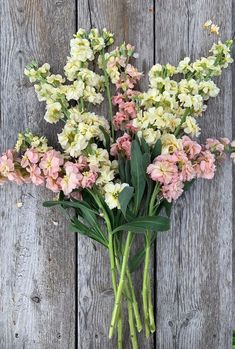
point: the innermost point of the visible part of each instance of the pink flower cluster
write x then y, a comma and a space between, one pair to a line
173, 170
48, 169
218, 147
122, 146
126, 111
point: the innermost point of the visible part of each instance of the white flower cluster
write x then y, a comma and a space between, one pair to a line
85, 85
28, 139
80, 129
98, 159
170, 105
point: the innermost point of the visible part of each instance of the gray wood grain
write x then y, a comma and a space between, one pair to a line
233, 99
37, 254
194, 260
131, 21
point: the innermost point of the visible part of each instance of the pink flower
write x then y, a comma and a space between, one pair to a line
185, 166
190, 147
53, 184
18, 177
122, 145
72, 178
89, 178
70, 182
51, 162
129, 108
6, 163
118, 100
35, 174
118, 119
214, 145
133, 72
31, 156
163, 169
81, 163
172, 191
205, 167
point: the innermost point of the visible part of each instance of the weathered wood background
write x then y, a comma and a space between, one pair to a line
55, 289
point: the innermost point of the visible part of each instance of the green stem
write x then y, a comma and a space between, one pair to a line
134, 302
131, 324
114, 282
107, 86
150, 305
145, 285
120, 329
121, 283
112, 263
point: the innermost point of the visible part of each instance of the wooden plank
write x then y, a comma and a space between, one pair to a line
37, 254
95, 297
233, 108
194, 264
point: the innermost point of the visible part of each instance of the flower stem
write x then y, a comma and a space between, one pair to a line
145, 285
131, 323
150, 305
121, 284
134, 302
107, 86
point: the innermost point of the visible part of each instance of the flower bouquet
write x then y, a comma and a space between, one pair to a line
117, 176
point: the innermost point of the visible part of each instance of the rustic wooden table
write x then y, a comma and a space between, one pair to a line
55, 286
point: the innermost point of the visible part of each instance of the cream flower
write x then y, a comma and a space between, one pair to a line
53, 113
190, 126
170, 143
112, 192
75, 91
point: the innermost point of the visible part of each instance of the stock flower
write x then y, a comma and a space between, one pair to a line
72, 178
51, 163
172, 191
205, 167
122, 145
112, 191
191, 148
53, 184
80, 48
75, 91
163, 169
6, 163
31, 156
35, 174
89, 178
53, 113
190, 126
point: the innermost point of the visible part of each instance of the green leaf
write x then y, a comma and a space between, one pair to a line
125, 197
128, 171
168, 207
78, 227
137, 173
75, 204
187, 185
121, 168
156, 149
141, 224
144, 146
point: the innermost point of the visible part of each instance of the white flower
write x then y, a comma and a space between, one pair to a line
53, 113
112, 192
80, 48
190, 126
75, 91
170, 143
